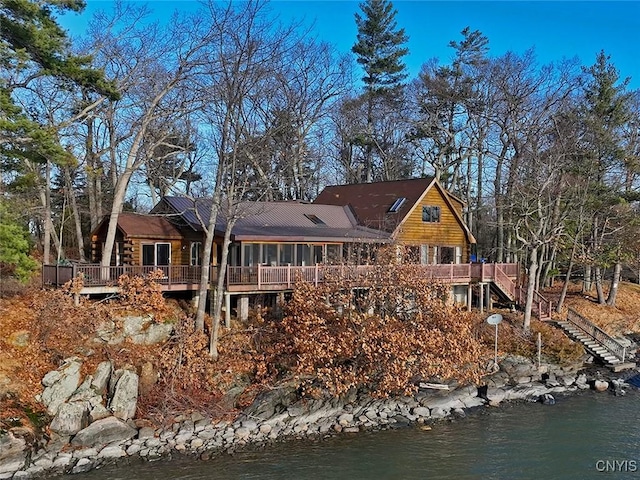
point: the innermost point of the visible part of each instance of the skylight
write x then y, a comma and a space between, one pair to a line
397, 204
314, 219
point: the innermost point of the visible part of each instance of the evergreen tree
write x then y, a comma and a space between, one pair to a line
32, 44
605, 110
379, 49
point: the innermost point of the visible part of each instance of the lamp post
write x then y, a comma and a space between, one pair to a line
495, 319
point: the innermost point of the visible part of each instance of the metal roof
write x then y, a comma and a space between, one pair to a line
277, 221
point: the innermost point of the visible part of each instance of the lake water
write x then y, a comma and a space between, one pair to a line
590, 435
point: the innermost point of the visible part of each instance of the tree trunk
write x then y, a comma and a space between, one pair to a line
75, 213
565, 287
586, 283
116, 208
567, 279
531, 285
599, 291
615, 283
217, 308
206, 263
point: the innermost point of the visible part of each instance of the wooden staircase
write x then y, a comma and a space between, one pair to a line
605, 348
509, 291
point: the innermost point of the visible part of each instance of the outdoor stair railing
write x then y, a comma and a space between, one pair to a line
600, 336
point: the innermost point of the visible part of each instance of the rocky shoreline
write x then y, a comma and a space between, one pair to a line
89, 434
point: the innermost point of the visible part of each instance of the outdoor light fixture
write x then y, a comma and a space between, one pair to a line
495, 319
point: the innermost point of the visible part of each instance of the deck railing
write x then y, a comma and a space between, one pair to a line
597, 334
264, 277
94, 275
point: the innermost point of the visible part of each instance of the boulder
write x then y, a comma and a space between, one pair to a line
102, 432
13, 452
71, 418
267, 404
421, 411
60, 384
100, 380
98, 412
345, 419
600, 385
125, 396
581, 382
143, 330
547, 399
108, 332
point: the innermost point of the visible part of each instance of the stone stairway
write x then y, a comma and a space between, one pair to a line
595, 341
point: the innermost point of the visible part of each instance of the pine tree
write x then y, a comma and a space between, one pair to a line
379, 49
31, 41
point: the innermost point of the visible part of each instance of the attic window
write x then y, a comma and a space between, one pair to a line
314, 219
397, 204
431, 214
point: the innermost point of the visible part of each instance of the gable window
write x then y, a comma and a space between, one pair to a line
431, 214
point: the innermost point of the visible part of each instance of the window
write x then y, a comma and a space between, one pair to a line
396, 205
286, 254
303, 255
251, 254
314, 219
270, 254
431, 214
447, 255
158, 254
148, 255
196, 253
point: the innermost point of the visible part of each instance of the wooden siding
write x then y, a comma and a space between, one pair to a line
447, 232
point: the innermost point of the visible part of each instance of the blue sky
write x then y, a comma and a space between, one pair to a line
556, 30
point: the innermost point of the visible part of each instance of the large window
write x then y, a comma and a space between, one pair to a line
196, 253
431, 214
158, 254
286, 254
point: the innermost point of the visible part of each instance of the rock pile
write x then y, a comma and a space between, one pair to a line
94, 418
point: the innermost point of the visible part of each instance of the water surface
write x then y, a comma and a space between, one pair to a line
591, 435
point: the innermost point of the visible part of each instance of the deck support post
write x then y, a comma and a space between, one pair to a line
227, 310
481, 297
488, 296
469, 296
243, 308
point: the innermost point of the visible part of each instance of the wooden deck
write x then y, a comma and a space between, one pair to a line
261, 278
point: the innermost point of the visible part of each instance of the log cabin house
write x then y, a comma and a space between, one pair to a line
275, 243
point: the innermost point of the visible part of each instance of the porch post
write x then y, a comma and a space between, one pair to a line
488, 297
469, 296
243, 308
227, 310
481, 297
259, 276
